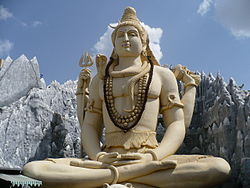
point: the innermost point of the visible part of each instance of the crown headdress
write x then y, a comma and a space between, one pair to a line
129, 18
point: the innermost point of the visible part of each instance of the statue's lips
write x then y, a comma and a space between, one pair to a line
127, 45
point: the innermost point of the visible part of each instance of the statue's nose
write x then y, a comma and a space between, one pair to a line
126, 37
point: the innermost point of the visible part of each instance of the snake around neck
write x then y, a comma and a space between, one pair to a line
127, 122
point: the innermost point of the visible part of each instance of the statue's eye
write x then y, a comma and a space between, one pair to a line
132, 33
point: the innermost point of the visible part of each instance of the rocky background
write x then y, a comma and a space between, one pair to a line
220, 126
39, 121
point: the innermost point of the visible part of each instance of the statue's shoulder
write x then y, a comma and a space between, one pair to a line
164, 73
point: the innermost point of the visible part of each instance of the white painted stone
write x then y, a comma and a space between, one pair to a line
17, 78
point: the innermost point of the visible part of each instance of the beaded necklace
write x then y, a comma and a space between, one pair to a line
127, 122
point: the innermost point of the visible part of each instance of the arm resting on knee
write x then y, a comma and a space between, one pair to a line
174, 134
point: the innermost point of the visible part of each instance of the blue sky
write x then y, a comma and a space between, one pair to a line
204, 35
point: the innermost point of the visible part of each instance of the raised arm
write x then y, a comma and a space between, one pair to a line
92, 124
82, 94
172, 111
191, 81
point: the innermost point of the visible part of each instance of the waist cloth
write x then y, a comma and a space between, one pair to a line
132, 140
141, 141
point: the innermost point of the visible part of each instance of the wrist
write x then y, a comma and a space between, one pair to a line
193, 84
191, 80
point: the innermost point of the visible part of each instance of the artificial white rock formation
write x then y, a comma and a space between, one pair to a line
39, 125
17, 78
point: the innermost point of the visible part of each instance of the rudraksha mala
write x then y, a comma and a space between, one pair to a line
127, 122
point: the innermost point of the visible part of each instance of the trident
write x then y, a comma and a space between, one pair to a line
87, 59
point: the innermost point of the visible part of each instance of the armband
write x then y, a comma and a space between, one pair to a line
173, 101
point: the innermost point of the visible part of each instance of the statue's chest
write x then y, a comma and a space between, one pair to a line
122, 87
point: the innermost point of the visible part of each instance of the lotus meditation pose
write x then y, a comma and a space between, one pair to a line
126, 97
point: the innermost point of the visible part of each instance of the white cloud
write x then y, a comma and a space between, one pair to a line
23, 24
32, 24
240, 33
155, 35
5, 13
5, 47
105, 46
36, 23
233, 14
204, 7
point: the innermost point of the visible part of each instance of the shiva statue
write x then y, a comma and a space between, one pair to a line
125, 98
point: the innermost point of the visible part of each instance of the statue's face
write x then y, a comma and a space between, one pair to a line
128, 42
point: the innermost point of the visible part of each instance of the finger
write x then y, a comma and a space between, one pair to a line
131, 156
74, 163
169, 164
125, 162
112, 155
104, 58
109, 160
109, 157
87, 164
97, 57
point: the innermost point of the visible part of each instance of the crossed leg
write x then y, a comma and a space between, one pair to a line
58, 173
203, 172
